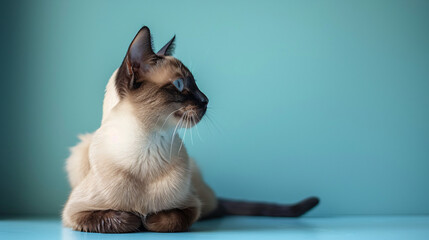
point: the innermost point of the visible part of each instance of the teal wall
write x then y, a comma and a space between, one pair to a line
326, 98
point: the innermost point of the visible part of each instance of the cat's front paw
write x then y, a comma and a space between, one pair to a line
107, 221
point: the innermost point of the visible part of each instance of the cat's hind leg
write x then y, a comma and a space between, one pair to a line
173, 220
78, 164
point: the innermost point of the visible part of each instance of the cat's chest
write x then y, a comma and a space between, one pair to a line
153, 185
164, 170
164, 187
155, 168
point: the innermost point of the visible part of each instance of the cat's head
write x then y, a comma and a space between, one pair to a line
161, 89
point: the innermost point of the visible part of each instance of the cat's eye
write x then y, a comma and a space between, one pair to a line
178, 83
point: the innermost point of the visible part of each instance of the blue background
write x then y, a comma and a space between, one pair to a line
326, 98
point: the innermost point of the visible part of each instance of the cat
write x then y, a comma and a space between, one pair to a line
133, 173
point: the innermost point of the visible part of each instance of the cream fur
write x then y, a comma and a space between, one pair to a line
111, 97
124, 166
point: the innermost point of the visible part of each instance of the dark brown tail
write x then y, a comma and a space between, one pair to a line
244, 208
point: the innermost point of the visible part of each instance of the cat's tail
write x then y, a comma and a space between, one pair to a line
228, 207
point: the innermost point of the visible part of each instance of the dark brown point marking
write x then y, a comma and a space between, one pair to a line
174, 220
107, 221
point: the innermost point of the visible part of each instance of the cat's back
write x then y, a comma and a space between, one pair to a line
77, 165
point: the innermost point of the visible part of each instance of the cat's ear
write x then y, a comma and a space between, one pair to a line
168, 48
140, 54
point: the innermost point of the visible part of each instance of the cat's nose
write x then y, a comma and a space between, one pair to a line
202, 98
205, 100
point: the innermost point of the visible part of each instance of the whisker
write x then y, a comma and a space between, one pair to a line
174, 133
210, 118
209, 124
186, 128
190, 123
169, 115
196, 125
212, 127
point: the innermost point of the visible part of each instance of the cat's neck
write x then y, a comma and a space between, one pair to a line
124, 140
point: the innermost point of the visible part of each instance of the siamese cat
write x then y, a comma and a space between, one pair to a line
133, 173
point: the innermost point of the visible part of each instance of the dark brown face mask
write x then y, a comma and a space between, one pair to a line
167, 78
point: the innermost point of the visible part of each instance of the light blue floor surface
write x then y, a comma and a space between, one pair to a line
261, 228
